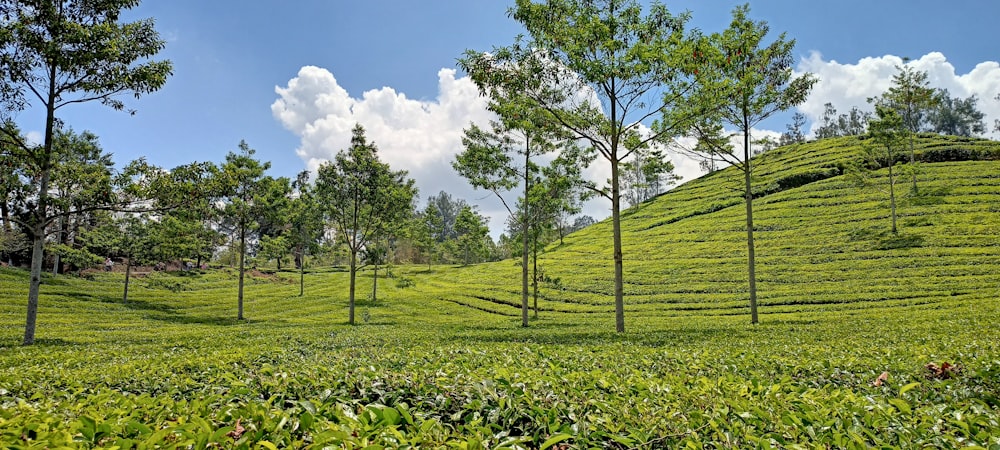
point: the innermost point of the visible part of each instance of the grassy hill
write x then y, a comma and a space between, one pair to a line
441, 362
821, 246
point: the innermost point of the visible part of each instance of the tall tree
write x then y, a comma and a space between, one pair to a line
472, 235
913, 99
243, 185
604, 66
754, 82
500, 159
887, 135
361, 195
61, 53
306, 220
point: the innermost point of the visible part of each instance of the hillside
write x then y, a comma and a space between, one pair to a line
823, 242
866, 340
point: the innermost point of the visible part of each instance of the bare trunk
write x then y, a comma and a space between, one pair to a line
38, 245
751, 263
534, 274
302, 276
38, 228
60, 239
243, 251
354, 271
375, 284
128, 274
616, 228
913, 164
524, 239
892, 198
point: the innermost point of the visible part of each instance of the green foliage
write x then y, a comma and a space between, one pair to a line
362, 198
63, 53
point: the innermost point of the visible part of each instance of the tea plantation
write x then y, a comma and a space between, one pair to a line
867, 339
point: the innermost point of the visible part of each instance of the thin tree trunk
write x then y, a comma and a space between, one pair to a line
354, 269
524, 238
38, 228
128, 274
38, 245
243, 250
913, 163
375, 284
534, 273
302, 275
892, 198
60, 236
751, 263
616, 227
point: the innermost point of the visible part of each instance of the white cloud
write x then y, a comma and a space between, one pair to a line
34, 137
420, 136
850, 85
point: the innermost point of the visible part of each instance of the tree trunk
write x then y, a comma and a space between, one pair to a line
354, 271
524, 241
38, 245
892, 197
302, 276
60, 239
38, 228
751, 263
913, 164
534, 273
375, 283
128, 274
616, 227
243, 251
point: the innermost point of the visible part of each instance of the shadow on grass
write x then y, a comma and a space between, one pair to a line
561, 333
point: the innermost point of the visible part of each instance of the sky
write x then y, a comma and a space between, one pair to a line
293, 78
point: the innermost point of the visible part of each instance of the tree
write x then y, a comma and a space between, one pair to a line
955, 116
754, 82
361, 194
242, 182
423, 230
472, 235
793, 131
913, 99
604, 67
500, 159
306, 220
886, 138
647, 175
446, 209
81, 174
852, 123
59, 54
582, 222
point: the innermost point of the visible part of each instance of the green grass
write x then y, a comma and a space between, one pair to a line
445, 364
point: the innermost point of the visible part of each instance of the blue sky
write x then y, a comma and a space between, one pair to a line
384, 60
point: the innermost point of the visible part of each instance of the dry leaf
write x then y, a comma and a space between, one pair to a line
237, 430
882, 379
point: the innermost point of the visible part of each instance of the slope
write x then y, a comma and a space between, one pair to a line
823, 241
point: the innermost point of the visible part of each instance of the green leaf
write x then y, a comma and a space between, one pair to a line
555, 439
908, 387
900, 404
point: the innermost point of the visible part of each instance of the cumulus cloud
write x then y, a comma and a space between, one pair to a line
847, 85
420, 136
